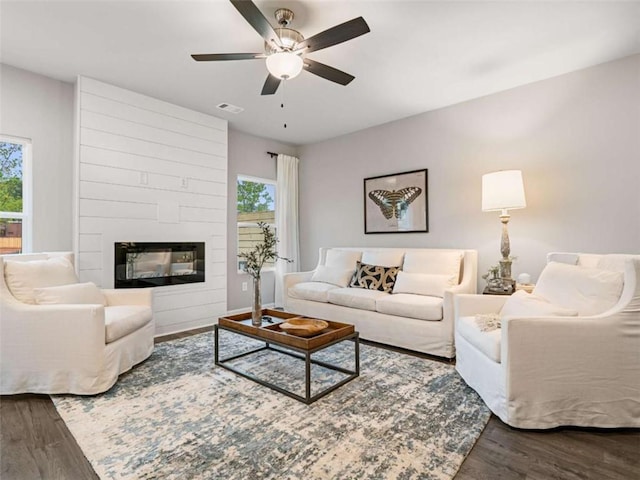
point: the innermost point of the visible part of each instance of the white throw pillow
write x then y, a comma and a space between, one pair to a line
590, 291
523, 304
438, 263
333, 275
23, 277
75, 293
423, 283
343, 259
384, 258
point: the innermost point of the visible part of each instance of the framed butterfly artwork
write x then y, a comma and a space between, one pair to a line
396, 203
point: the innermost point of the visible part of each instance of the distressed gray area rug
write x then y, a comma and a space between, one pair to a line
176, 416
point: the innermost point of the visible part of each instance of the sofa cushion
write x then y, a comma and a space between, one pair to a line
374, 277
421, 307
121, 320
23, 277
523, 304
314, 291
333, 275
74, 293
386, 258
588, 290
489, 342
340, 258
423, 283
356, 297
437, 263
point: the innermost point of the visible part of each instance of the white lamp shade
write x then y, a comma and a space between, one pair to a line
503, 190
285, 65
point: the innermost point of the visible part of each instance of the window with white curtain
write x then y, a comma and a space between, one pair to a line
15, 195
256, 201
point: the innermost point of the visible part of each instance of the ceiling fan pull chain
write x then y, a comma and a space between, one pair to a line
284, 82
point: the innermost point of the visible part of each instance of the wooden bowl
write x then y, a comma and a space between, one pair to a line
303, 327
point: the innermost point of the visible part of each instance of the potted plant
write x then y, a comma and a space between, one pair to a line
254, 260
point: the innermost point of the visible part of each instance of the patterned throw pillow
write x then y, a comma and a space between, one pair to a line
374, 277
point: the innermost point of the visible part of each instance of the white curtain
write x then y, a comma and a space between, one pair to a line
286, 220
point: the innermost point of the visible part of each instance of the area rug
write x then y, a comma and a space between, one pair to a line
177, 416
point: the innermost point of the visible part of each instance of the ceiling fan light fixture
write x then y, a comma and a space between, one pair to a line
284, 65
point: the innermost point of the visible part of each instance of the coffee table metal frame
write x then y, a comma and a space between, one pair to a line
304, 354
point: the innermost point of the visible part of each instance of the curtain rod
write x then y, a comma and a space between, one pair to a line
271, 154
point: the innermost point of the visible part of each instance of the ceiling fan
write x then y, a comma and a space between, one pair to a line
285, 49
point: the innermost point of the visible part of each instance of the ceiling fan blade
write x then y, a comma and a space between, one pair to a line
271, 84
213, 57
327, 72
257, 20
338, 34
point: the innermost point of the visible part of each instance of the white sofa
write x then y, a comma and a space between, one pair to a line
78, 340
417, 315
569, 354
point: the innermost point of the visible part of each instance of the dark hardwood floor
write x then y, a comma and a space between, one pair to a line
36, 444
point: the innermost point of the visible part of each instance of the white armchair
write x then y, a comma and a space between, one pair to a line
70, 348
547, 370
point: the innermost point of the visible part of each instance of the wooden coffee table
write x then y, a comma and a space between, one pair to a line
277, 340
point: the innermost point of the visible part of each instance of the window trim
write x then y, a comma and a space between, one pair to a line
27, 188
266, 181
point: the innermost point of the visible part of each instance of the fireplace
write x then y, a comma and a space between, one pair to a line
155, 264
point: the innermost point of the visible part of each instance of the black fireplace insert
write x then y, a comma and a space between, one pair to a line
155, 264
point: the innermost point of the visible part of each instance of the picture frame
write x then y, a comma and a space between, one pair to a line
397, 203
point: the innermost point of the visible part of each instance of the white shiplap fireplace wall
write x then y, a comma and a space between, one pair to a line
150, 171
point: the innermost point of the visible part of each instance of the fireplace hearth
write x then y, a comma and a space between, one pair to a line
156, 264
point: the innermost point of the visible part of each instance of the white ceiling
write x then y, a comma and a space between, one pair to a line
419, 56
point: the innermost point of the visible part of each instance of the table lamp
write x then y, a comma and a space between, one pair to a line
503, 191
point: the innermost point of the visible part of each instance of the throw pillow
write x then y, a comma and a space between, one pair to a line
523, 304
340, 258
423, 283
588, 290
75, 293
333, 275
434, 262
374, 277
23, 277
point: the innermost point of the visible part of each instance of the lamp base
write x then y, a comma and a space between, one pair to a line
508, 283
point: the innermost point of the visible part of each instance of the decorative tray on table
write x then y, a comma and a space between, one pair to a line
303, 327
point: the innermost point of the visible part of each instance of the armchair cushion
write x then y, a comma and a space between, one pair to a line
22, 277
74, 293
122, 320
590, 291
523, 304
487, 342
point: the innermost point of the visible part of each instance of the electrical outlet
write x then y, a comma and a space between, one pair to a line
144, 178
244, 286
185, 182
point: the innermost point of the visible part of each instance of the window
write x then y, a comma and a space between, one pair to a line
256, 203
15, 219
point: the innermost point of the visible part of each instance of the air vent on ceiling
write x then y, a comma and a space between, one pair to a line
227, 107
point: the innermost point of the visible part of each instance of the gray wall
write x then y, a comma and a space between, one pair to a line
575, 137
41, 109
247, 156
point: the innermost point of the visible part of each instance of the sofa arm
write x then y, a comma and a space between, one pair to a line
466, 305
35, 338
586, 368
128, 296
